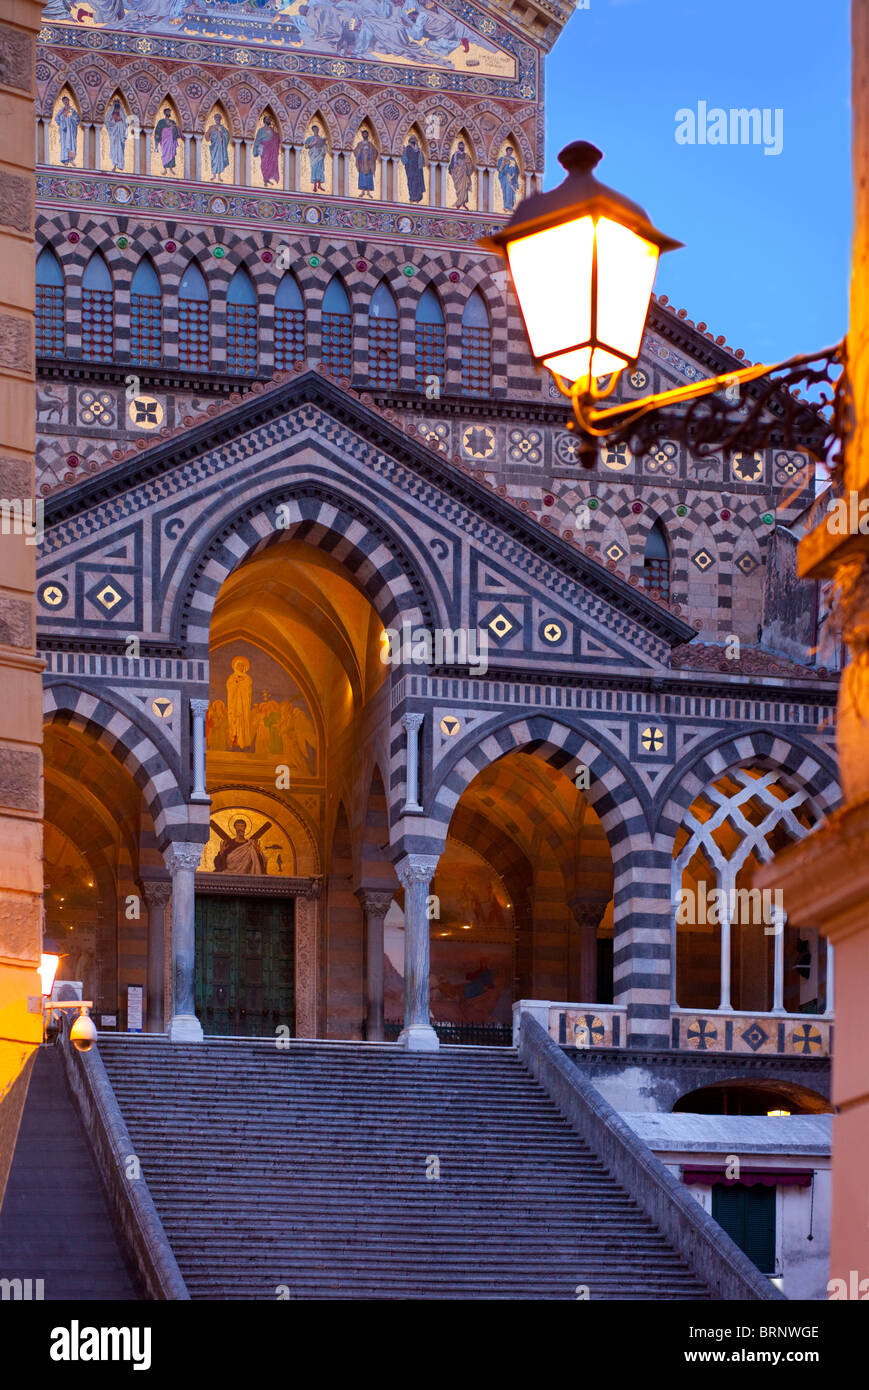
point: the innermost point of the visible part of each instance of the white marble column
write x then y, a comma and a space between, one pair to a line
412, 724
182, 861
158, 895
831, 965
415, 872
199, 709
299, 152
337, 190
375, 905
198, 172
288, 150
189, 171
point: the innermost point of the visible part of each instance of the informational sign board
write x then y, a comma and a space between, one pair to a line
134, 1008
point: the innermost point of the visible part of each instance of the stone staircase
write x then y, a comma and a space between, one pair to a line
55, 1224
308, 1173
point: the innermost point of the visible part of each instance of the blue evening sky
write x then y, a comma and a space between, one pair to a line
767, 237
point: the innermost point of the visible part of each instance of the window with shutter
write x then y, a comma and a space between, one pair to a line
748, 1216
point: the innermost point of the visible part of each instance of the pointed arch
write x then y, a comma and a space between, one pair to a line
97, 311
266, 155
289, 321
50, 300
316, 165
656, 560
193, 320
508, 176
218, 154
117, 136
66, 139
365, 179
146, 315
462, 169
337, 333
241, 324
476, 346
429, 340
167, 144
413, 183
383, 359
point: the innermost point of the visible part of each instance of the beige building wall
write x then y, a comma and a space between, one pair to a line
20, 671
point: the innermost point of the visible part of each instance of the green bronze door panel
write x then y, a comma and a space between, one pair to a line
245, 950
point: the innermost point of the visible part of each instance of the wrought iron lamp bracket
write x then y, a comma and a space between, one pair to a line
716, 413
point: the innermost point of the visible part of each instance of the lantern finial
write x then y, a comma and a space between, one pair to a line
580, 157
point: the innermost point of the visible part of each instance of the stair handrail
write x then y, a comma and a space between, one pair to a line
713, 1256
136, 1219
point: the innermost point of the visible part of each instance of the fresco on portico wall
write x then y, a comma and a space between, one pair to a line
258, 718
420, 32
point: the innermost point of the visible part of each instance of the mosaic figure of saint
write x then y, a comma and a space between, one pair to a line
216, 726
166, 138
440, 32
366, 163
317, 148
239, 691
267, 147
67, 121
241, 855
508, 177
217, 136
414, 168
116, 129
461, 172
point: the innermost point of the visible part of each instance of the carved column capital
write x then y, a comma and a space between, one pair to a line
157, 891
416, 868
374, 902
182, 855
199, 707
412, 721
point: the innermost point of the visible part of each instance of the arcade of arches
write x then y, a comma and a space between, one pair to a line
299, 913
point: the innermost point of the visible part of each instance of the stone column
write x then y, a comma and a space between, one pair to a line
415, 872
288, 150
582, 965
189, 170
199, 172
158, 894
412, 724
375, 905
182, 861
199, 709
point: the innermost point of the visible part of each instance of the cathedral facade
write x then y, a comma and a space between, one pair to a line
370, 713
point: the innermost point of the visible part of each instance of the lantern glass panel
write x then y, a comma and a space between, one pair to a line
551, 271
626, 265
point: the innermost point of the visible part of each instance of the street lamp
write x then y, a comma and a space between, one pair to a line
582, 259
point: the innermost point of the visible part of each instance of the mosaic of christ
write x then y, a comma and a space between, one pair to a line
257, 712
410, 31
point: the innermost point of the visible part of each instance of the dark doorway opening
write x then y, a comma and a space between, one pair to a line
245, 977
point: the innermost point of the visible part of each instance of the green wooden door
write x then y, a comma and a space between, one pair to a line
244, 965
748, 1216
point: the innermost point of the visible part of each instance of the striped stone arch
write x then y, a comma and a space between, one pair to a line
465, 120
264, 96
347, 531
415, 110
808, 764
150, 759
613, 791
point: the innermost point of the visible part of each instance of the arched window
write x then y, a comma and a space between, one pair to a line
49, 305
739, 821
430, 337
289, 324
476, 347
97, 311
146, 315
241, 324
193, 320
337, 347
656, 561
383, 338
